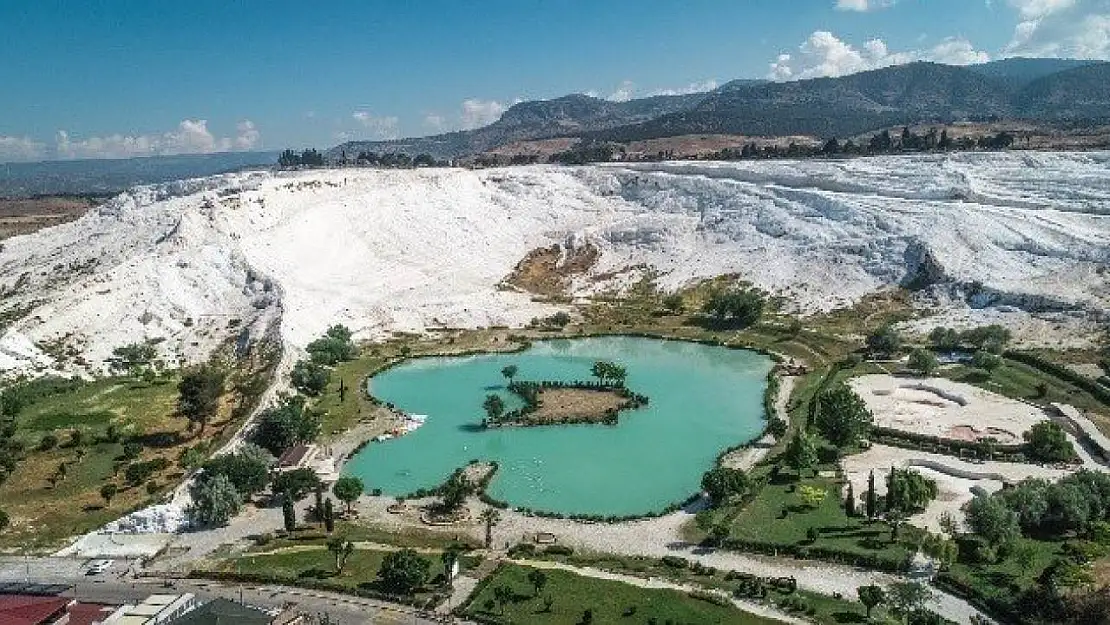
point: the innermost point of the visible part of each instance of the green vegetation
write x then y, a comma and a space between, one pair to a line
510, 596
734, 308
289, 423
842, 416
215, 501
199, 394
1047, 442
721, 483
348, 489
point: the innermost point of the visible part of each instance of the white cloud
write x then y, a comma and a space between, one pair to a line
694, 87
20, 149
386, 127
191, 136
478, 113
434, 122
862, 6
823, 54
1061, 28
623, 93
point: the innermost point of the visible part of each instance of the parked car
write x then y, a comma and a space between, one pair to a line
98, 567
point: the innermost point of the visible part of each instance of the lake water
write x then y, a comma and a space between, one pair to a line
703, 399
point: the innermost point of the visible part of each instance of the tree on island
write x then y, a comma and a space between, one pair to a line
606, 371
494, 406
510, 372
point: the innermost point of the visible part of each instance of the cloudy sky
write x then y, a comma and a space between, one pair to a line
120, 78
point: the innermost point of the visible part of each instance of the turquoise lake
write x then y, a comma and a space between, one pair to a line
703, 399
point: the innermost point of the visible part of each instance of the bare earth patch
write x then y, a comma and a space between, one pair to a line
24, 216
549, 270
560, 405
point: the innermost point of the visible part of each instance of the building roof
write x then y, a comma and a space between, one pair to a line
27, 610
88, 613
223, 612
294, 456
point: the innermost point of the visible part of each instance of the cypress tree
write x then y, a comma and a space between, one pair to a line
329, 516
850, 501
871, 499
318, 510
289, 514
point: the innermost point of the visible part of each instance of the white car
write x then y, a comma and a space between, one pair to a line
98, 567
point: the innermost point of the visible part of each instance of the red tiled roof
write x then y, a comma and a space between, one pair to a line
24, 610
293, 456
88, 613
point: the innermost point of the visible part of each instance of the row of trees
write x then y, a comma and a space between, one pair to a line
306, 158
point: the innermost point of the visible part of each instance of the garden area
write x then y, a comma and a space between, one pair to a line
516, 594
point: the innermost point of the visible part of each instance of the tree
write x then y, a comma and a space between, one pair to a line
334, 347
510, 372
720, 483
870, 596
450, 557
295, 484
909, 491
842, 416
850, 502
801, 452
107, 492
502, 594
215, 501
906, 598
309, 377
923, 361
348, 489
986, 361
289, 515
736, 308
494, 406
329, 516
199, 395
674, 303
719, 533
602, 370
884, 342
491, 517
342, 549
811, 496
945, 339
777, 427
248, 469
538, 579
992, 338
404, 571
1024, 555
4, 520
1047, 442
454, 492
872, 496
991, 519
949, 524
288, 424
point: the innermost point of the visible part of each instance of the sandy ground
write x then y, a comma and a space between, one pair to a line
955, 478
746, 457
941, 407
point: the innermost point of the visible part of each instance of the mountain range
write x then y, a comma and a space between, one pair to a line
1047, 90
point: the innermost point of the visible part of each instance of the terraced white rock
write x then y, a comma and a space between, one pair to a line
198, 262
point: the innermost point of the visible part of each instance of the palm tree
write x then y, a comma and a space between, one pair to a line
510, 372
491, 517
495, 407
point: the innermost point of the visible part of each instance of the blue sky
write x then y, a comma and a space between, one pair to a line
111, 78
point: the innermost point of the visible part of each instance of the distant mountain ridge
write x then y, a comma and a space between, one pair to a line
1017, 88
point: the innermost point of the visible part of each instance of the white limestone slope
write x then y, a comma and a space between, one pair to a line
197, 262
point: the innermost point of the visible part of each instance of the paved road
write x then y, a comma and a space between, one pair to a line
116, 587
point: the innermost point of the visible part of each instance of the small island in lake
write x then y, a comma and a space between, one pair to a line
555, 402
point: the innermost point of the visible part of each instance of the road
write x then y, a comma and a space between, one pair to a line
116, 587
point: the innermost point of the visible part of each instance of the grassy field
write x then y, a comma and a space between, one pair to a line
316, 565
47, 506
609, 602
1005, 580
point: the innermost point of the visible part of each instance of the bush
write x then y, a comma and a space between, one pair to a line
1046, 442
558, 550
675, 562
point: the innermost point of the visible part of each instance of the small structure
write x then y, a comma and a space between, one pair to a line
154, 610
296, 457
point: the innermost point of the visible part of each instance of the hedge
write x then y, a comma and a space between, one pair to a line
936, 444
1092, 387
827, 554
262, 578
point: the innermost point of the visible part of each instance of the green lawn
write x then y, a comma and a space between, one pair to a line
1005, 580
610, 602
93, 406
316, 564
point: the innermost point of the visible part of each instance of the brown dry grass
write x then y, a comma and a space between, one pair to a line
19, 217
548, 270
559, 404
